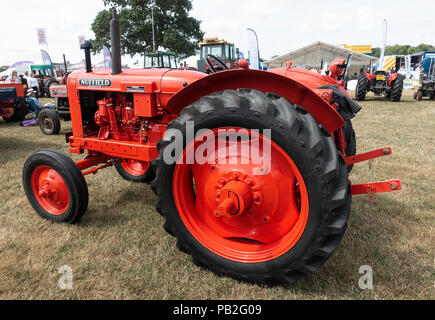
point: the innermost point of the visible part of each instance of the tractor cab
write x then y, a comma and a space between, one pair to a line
160, 59
221, 49
44, 70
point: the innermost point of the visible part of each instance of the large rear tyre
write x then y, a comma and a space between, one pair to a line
136, 171
47, 84
270, 227
361, 88
397, 88
55, 186
49, 122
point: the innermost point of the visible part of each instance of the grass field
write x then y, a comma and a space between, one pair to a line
119, 250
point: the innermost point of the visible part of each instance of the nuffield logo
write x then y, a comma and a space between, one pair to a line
95, 82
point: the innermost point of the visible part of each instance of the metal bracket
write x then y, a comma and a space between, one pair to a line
376, 187
368, 155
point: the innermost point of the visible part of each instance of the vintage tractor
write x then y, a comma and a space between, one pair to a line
250, 168
383, 82
427, 80
47, 76
49, 119
160, 59
215, 55
13, 103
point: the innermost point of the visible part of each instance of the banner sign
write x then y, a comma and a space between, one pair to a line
384, 43
254, 55
42, 36
46, 57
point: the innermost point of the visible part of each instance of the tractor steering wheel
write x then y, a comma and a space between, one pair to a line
210, 66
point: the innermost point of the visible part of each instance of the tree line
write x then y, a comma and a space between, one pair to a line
398, 49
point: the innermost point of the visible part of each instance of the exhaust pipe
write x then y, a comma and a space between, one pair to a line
87, 46
115, 34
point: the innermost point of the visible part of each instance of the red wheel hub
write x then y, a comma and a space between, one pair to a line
235, 213
134, 167
50, 190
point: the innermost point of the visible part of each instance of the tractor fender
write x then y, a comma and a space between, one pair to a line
264, 81
391, 78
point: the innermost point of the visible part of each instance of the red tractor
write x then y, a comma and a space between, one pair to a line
13, 103
250, 168
382, 83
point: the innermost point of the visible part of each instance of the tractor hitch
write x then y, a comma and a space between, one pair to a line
376, 187
368, 155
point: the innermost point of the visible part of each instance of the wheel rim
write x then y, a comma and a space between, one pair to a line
271, 210
50, 190
134, 167
47, 123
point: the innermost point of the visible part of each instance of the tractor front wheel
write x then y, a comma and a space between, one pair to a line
133, 170
269, 221
55, 186
49, 122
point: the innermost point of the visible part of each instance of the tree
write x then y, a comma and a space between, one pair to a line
3, 68
174, 29
398, 49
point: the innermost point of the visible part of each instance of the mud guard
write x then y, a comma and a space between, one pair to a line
263, 81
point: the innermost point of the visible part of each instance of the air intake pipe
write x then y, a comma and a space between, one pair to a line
87, 46
115, 34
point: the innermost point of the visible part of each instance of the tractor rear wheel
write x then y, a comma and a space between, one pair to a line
55, 186
264, 222
361, 88
47, 84
133, 170
397, 88
49, 122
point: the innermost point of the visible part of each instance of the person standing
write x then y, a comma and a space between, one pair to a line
33, 82
14, 77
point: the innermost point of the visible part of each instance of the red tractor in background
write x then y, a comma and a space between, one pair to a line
49, 119
382, 83
13, 103
268, 221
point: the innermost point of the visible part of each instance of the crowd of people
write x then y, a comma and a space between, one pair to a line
29, 81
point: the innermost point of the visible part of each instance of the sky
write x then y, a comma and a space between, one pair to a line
281, 25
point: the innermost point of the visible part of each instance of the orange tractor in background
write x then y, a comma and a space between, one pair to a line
201, 140
216, 55
13, 103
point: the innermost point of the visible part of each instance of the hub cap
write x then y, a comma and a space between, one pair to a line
50, 190
246, 211
134, 167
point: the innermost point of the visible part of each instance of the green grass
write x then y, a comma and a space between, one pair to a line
119, 250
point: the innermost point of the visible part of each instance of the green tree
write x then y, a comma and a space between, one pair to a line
3, 68
174, 29
403, 49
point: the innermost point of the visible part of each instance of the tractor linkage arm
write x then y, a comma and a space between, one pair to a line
373, 187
